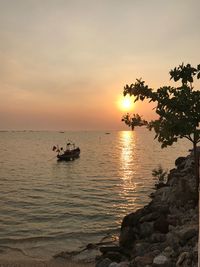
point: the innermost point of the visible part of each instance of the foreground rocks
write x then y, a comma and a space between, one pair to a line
165, 232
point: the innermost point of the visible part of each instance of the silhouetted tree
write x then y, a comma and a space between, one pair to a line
178, 109
133, 120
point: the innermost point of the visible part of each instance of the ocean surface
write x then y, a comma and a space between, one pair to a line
48, 206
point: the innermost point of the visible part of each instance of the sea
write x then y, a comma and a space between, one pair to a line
48, 206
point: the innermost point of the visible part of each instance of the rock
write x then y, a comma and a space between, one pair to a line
146, 229
157, 205
194, 257
140, 248
106, 249
132, 219
161, 225
165, 232
179, 161
171, 228
160, 185
172, 240
187, 233
133, 263
184, 192
183, 260
124, 264
157, 247
155, 253
114, 256
143, 261
149, 217
168, 252
159, 195
127, 237
189, 163
104, 263
161, 261
157, 237
114, 264
172, 179
173, 220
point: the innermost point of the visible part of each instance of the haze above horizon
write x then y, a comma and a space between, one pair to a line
64, 63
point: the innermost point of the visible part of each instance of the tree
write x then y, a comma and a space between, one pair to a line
178, 109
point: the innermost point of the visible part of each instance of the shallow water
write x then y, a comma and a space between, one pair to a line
49, 206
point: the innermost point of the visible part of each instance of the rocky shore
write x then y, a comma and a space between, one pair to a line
165, 232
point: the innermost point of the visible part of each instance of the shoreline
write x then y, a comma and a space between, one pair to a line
15, 259
82, 257
36, 263
78, 258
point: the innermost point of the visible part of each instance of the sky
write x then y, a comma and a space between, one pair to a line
64, 63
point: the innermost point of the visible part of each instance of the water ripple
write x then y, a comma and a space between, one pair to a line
71, 203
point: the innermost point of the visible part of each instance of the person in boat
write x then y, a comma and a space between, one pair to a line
68, 146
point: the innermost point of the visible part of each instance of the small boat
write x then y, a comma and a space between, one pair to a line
70, 153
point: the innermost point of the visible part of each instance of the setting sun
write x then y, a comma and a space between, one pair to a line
125, 103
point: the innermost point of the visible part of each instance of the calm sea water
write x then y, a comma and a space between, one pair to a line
48, 206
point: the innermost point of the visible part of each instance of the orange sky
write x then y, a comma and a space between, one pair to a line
64, 63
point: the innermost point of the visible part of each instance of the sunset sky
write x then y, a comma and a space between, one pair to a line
64, 63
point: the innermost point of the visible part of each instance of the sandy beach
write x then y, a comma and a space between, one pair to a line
51, 263
14, 259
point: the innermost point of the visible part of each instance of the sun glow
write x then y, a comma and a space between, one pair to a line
125, 103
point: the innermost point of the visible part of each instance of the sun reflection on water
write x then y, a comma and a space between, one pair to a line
127, 169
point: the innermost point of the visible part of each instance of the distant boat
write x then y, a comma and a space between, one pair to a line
70, 153
107, 133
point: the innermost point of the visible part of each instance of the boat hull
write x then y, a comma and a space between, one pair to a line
69, 155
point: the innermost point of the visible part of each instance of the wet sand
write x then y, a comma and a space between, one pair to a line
51, 263
16, 260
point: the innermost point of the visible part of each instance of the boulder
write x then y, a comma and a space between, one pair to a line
157, 237
127, 237
114, 264
144, 260
173, 220
172, 240
185, 192
132, 219
183, 260
157, 205
133, 263
141, 248
124, 264
146, 229
149, 217
187, 233
106, 249
114, 256
189, 163
168, 252
179, 162
161, 225
103, 263
157, 247
161, 261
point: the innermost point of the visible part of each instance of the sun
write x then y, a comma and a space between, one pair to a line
125, 103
